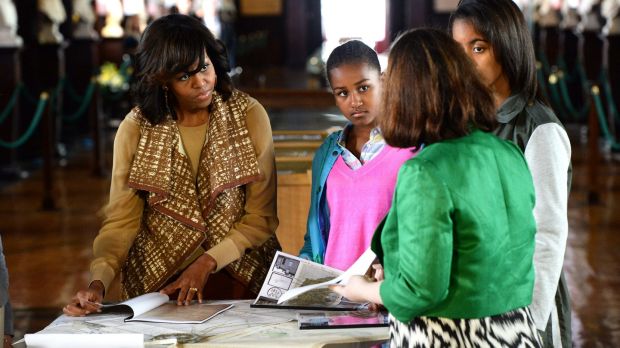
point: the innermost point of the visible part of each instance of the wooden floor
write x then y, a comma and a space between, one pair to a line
48, 251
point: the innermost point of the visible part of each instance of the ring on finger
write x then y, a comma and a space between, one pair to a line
193, 289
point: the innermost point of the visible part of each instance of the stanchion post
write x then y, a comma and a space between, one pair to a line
593, 152
96, 114
48, 155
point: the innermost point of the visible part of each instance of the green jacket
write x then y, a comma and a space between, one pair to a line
459, 239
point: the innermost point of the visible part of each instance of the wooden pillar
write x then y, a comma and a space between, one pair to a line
603, 86
549, 43
569, 53
111, 50
591, 53
569, 48
42, 68
51, 71
97, 125
9, 130
296, 34
83, 61
613, 67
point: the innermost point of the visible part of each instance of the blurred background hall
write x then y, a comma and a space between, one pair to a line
65, 73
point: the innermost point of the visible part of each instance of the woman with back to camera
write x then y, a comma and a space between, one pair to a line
354, 171
495, 35
193, 187
457, 244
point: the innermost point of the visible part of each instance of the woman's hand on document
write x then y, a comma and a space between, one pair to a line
192, 281
86, 301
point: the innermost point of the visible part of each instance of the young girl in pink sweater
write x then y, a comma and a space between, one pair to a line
354, 171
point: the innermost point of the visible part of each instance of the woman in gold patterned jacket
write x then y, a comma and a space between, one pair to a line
192, 210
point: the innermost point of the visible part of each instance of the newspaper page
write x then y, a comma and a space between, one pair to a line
290, 272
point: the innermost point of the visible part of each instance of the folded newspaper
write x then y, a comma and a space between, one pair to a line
293, 282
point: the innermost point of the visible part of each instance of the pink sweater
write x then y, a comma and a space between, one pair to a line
358, 200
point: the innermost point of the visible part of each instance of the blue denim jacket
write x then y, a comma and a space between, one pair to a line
317, 228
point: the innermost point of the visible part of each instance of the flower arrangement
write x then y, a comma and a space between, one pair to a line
113, 79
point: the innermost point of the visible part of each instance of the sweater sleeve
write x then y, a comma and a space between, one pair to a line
548, 155
4, 277
9, 326
311, 221
421, 209
260, 220
306, 249
313, 230
5, 303
122, 214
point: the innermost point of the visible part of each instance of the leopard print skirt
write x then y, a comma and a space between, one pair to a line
512, 329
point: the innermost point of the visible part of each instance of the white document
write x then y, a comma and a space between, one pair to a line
360, 267
140, 304
156, 308
72, 340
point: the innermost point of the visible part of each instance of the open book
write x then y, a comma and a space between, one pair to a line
293, 282
156, 308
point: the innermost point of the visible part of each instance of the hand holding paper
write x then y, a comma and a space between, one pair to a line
358, 268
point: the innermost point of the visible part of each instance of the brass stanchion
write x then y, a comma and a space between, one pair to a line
96, 114
48, 155
593, 152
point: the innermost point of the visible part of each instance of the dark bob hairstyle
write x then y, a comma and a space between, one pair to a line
502, 24
171, 45
435, 92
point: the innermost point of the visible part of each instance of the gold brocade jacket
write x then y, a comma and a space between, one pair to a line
181, 214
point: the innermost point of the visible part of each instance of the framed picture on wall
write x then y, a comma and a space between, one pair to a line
261, 7
441, 6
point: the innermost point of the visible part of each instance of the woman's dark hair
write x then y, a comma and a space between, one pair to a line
351, 52
501, 22
170, 45
434, 91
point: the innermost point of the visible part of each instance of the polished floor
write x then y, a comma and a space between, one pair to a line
48, 251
